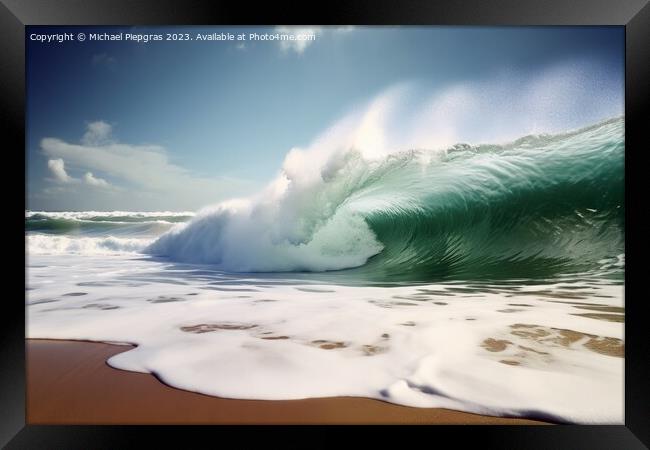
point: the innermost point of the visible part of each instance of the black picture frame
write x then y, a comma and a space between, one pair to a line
634, 15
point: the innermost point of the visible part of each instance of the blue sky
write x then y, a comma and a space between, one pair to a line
179, 125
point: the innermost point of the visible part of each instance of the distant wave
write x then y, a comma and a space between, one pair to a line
109, 215
96, 232
541, 205
42, 244
95, 222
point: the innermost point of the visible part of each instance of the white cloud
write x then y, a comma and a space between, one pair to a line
142, 173
301, 35
97, 133
89, 178
57, 167
142, 165
300, 43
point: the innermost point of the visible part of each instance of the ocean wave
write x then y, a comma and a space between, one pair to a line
538, 206
42, 244
96, 222
109, 215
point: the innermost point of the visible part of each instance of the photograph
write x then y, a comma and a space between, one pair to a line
325, 224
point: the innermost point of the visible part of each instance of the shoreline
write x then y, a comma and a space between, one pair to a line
69, 382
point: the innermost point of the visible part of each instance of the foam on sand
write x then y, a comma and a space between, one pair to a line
499, 350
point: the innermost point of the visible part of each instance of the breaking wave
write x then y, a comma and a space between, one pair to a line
538, 206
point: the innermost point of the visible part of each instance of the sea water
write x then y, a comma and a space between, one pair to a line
486, 279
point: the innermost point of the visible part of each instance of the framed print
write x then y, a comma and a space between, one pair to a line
373, 215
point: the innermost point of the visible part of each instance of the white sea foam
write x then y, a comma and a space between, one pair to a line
287, 338
246, 239
42, 244
84, 215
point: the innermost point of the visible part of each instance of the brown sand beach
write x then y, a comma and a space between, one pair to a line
69, 382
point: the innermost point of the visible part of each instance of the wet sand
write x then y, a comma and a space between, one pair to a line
69, 382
